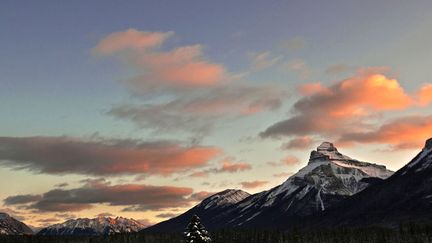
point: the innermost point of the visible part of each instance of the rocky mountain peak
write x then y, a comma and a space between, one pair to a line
326, 151
428, 144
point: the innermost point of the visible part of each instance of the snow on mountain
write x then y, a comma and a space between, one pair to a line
208, 210
11, 226
328, 178
405, 197
223, 199
97, 226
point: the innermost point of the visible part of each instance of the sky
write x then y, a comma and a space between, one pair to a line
141, 109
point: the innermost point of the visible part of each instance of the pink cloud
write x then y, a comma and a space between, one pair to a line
130, 39
180, 68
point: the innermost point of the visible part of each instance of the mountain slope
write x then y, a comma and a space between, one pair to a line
209, 209
328, 178
11, 226
96, 226
404, 197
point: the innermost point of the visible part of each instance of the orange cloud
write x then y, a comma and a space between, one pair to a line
180, 68
425, 94
402, 133
348, 110
130, 39
253, 184
60, 155
345, 105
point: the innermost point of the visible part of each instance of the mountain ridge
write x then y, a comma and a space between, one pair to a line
328, 178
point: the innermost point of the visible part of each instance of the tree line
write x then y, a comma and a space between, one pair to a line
404, 234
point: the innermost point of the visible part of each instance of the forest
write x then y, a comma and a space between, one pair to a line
403, 234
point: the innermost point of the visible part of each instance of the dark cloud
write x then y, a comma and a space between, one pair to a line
21, 199
135, 196
62, 155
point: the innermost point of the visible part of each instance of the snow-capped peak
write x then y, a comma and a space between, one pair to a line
326, 151
96, 226
11, 226
224, 198
422, 160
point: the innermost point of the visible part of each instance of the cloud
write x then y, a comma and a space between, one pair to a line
402, 133
342, 106
197, 93
105, 215
253, 184
298, 143
63, 155
234, 167
349, 111
135, 196
198, 112
21, 199
288, 160
60, 185
130, 40
13, 213
425, 94
183, 67
300, 67
263, 60
227, 166
199, 196
312, 88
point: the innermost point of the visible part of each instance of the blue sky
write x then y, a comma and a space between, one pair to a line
53, 84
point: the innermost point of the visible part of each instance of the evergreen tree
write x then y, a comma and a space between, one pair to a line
195, 232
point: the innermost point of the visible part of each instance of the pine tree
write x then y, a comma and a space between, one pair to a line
195, 232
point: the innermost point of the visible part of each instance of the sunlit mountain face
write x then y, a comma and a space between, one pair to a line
120, 116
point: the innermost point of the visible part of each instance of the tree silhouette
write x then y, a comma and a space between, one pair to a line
195, 232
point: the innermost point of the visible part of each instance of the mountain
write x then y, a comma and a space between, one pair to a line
96, 226
210, 209
404, 197
327, 179
11, 226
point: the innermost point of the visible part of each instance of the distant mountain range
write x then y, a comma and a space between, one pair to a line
11, 226
96, 226
328, 179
